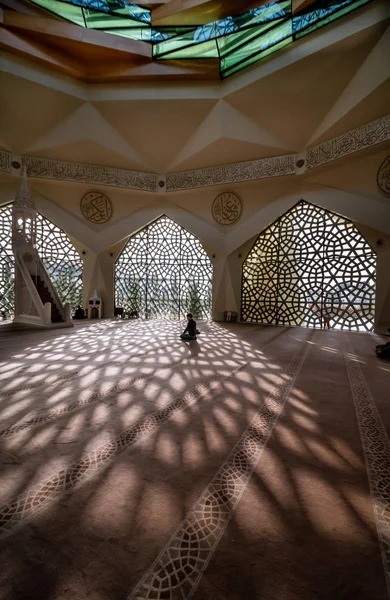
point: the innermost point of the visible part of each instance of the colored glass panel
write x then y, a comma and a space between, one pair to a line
239, 41
312, 20
206, 50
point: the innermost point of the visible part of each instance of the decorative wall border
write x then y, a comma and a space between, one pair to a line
353, 141
277, 166
5, 161
376, 447
93, 174
177, 570
361, 138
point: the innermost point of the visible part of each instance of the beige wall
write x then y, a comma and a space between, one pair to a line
348, 187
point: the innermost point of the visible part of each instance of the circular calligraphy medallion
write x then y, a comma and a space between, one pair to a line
383, 177
226, 208
96, 207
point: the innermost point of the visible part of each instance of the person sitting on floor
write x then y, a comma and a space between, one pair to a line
190, 331
383, 350
79, 313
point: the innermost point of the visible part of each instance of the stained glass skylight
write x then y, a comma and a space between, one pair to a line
237, 41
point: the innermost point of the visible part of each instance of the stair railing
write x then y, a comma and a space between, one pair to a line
25, 271
36, 268
53, 292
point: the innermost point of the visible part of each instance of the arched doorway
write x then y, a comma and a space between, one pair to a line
61, 260
164, 271
307, 264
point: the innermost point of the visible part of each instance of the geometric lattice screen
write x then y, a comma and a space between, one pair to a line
61, 260
308, 263
7, 277
163, 271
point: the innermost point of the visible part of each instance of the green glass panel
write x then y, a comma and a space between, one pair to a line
71, 13
173, 44
141, 16
239, 40
224, 27
315, 19
230, 43
161, 34
132, 33
258, 45
206, 50
227, 69
99, 20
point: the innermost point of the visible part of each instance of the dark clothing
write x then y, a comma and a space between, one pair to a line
187, 336
191, 328
384, 350
79, 313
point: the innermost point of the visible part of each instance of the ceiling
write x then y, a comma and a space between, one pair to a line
281, 106
106, 41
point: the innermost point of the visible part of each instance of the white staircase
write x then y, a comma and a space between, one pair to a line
36, 300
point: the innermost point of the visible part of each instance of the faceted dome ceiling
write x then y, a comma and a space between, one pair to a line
163, 116
210, 38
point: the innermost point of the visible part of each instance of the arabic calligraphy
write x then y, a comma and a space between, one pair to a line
96, 207
384, 176
226, 208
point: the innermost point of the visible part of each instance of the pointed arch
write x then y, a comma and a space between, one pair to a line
61, 260
164, 271
308, 264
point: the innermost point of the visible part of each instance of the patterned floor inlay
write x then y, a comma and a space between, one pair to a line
47, 416
94, 397
26, 504
178, 569
376, 448
45, 382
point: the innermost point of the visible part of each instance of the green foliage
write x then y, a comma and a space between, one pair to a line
194, 301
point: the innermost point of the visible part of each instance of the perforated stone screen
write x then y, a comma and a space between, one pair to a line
61, 259
6, 262
308, 264
164, 271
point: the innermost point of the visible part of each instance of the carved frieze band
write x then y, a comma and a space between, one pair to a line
67, 171
5, 161
234, 173
353, 141
359, 139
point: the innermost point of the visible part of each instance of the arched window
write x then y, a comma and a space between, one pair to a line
61, 259
7, 296
308, 264
163, 271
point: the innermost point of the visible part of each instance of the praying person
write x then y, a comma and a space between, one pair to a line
383, 350
190, 331
79, 313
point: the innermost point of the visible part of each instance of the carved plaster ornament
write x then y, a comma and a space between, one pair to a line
96, 208
226, 208
383, 177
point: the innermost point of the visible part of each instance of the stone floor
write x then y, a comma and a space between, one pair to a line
253, 463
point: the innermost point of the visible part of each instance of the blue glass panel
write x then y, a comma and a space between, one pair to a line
314, 19
233, 63
223, 27
238, 40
